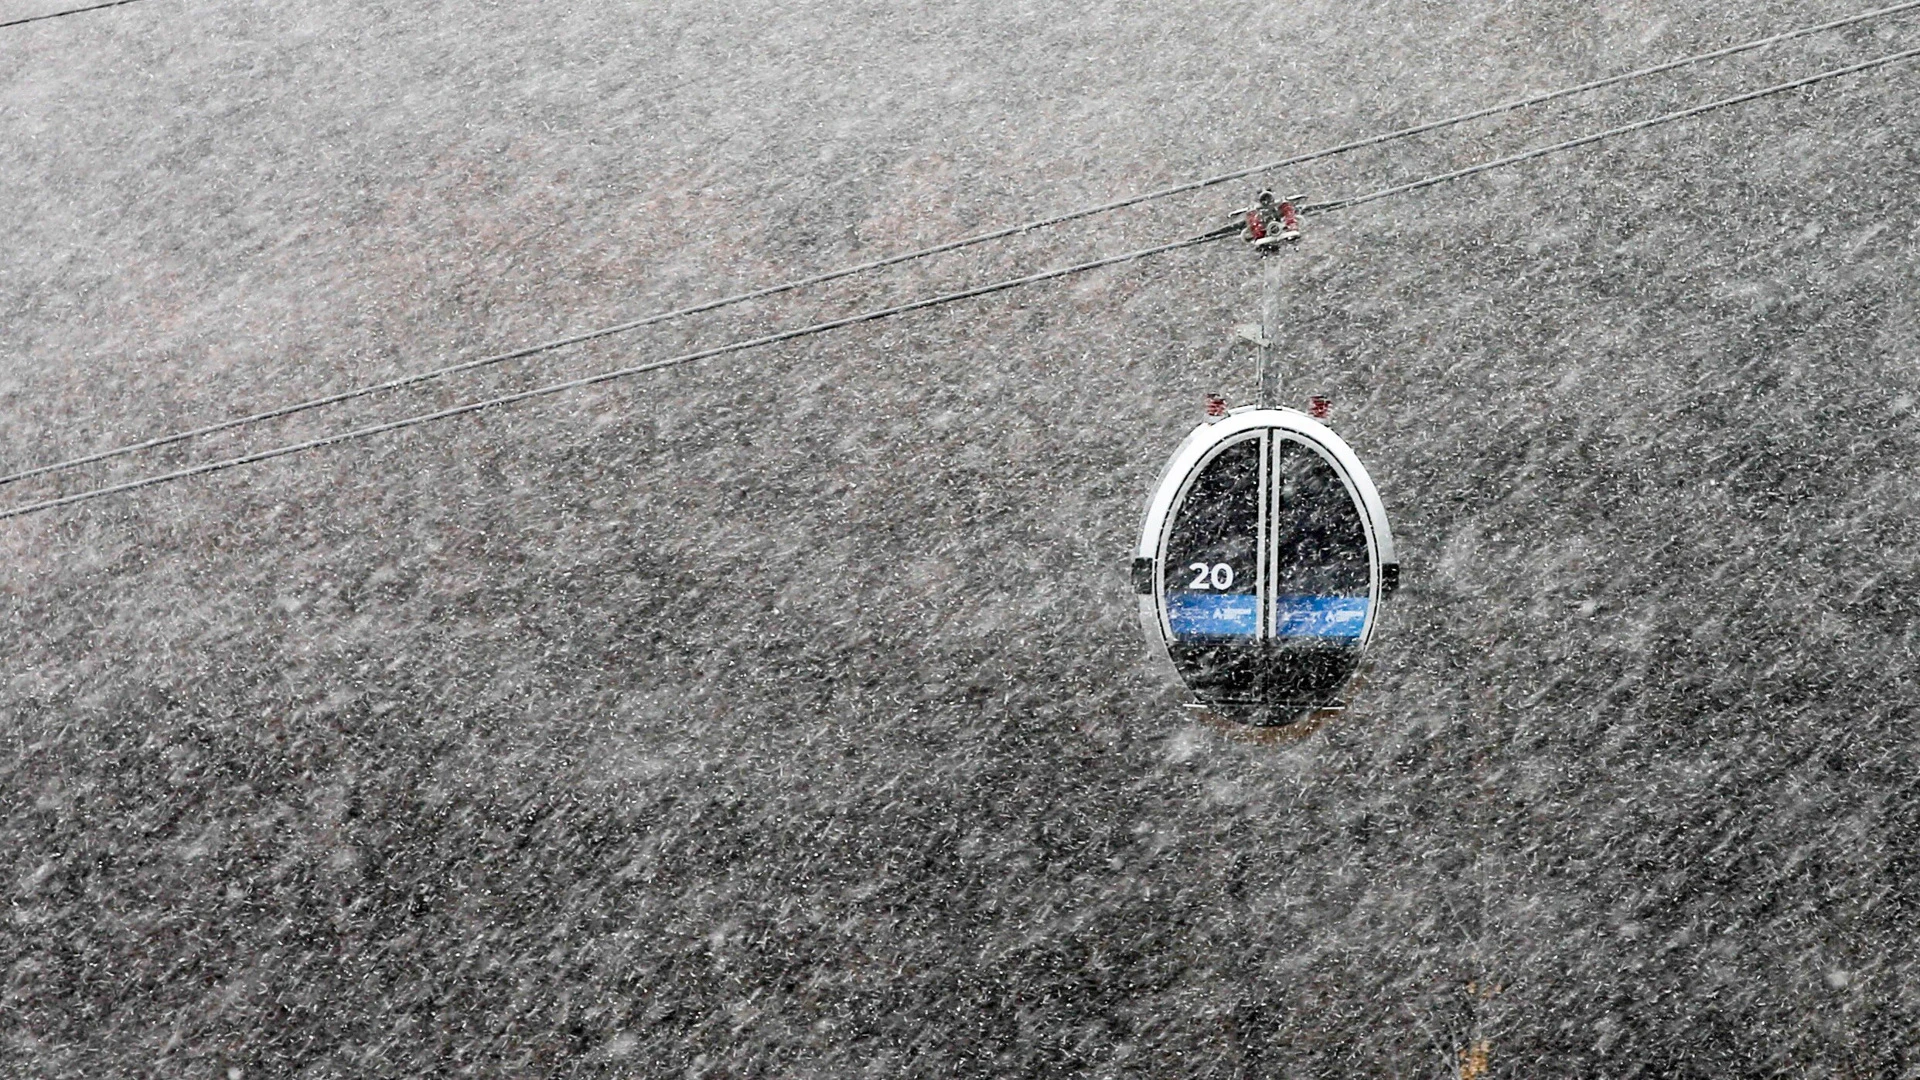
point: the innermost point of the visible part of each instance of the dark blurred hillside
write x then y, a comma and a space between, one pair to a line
786, 715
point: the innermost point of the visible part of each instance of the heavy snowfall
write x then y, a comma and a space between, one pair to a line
787, 713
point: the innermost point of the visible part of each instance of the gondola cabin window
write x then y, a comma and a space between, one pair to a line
1322, 577
1212, 563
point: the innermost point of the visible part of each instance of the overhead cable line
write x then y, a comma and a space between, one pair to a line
621, 373
928, 302
1623, 129
942, 248
61, 14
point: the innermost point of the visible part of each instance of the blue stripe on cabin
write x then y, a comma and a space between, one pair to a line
1198, 614
1319, 616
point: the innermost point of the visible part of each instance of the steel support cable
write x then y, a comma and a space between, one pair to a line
621, 373
1623, 129
60, 14
934, 301
942, 248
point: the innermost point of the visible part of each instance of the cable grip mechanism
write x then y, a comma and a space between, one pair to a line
1271, 222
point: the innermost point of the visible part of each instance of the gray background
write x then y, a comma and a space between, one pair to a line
786, 715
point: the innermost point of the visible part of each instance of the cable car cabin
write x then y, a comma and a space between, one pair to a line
1262, 563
